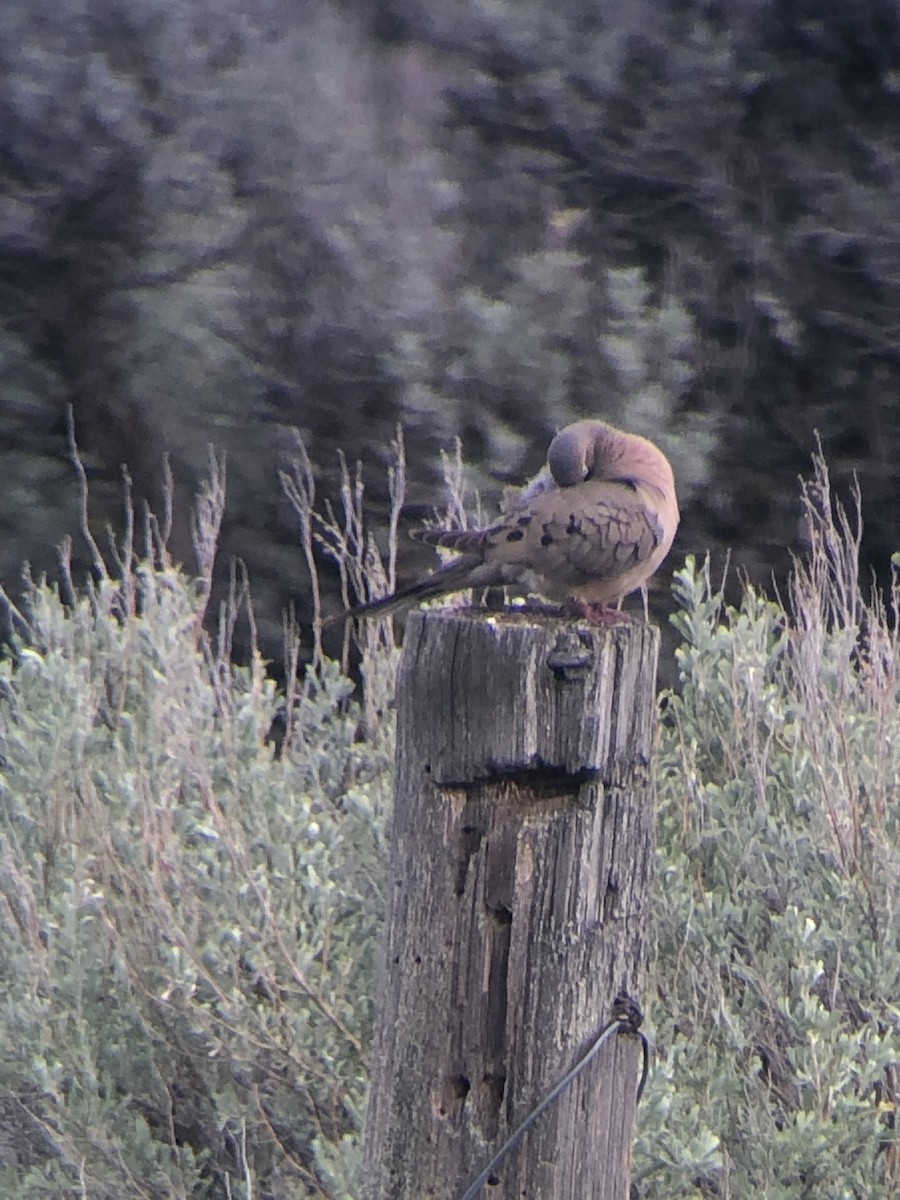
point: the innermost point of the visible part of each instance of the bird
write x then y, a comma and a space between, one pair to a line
591, 527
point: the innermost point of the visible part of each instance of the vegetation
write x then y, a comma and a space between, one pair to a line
484, 220
220, 220
191, 871
191, 884
778, 967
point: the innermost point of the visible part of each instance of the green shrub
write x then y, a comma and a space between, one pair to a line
777, 982
190, 914
189, 918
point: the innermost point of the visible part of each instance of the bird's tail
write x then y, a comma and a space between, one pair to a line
452, 578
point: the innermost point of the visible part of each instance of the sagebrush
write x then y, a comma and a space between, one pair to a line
777, 979
191, 876
191, 866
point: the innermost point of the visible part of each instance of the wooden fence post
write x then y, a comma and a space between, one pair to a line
521, 852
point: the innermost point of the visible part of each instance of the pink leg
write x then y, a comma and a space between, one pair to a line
602, 614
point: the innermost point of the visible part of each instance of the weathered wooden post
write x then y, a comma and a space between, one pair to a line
522, 848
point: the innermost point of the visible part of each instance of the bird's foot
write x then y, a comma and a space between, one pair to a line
601, 614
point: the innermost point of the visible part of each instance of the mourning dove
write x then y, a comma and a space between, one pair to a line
590, 528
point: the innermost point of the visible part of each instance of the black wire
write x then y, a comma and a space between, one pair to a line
645, 1065
618, 1022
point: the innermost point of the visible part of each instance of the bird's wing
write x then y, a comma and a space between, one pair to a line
589, 538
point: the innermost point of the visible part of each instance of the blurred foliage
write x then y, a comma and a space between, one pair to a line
481, 219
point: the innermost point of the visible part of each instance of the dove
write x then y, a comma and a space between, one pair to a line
592, 526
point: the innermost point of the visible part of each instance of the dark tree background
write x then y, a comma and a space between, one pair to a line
219, 221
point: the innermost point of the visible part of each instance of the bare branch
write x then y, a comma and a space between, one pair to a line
96, 556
